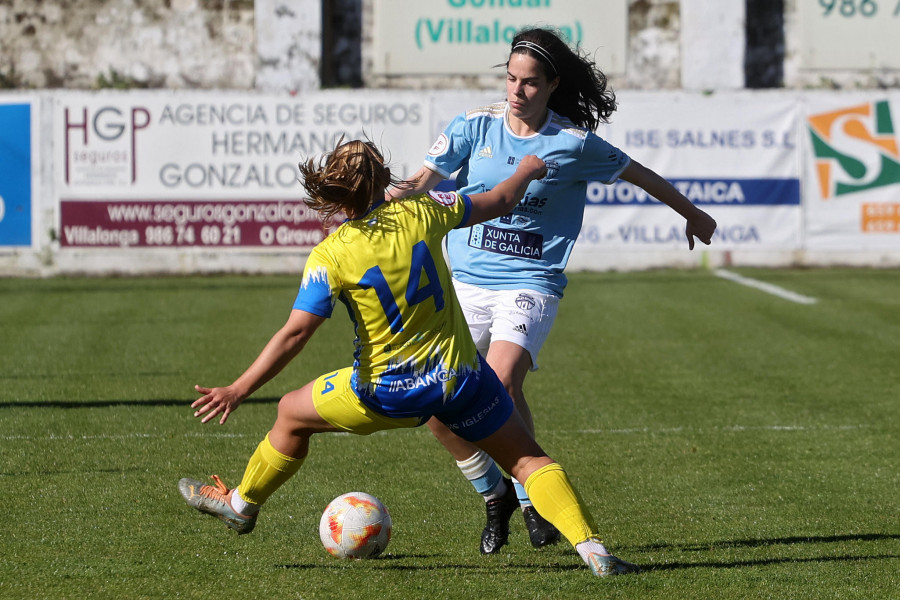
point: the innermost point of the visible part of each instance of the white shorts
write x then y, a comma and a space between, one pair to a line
523, 317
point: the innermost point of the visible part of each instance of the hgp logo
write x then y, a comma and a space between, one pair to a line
109, 126
856, 149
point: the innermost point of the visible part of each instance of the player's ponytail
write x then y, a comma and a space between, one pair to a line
582, 95
348, 179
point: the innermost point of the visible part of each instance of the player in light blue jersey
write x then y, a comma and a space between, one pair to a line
509, 272
529, 247
414, 358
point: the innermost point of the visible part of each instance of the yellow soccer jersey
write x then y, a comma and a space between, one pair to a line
412, 341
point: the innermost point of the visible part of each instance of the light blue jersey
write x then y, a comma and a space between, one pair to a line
529, 247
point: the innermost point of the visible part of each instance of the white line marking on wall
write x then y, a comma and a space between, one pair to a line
765, 287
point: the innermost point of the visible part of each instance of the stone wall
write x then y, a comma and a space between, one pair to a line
87, 44
654, 57
279, 45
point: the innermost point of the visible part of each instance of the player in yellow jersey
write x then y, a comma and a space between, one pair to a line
414, 357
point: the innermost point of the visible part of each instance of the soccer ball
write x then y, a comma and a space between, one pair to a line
355, 525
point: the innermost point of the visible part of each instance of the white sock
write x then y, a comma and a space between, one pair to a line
590, 546
241, 506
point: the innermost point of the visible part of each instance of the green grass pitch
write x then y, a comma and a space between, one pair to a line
734, 444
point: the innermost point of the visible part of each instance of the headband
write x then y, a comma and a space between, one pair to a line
539, 50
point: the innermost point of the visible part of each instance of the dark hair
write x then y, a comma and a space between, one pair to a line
349, 179
582, 95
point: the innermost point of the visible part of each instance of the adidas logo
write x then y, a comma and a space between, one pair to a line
486, 152
521, 329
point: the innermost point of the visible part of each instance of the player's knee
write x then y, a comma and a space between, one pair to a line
513, 382
527, 465
439, 429
514, 389
290, 419
515, 392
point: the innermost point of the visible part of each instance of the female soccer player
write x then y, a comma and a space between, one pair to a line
508, 273
414, 357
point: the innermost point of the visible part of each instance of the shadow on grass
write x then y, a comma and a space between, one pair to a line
721, 544
766, 561
388, 563
761, 543
116, 403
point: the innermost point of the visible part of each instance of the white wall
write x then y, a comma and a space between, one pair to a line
712, 44
289, 45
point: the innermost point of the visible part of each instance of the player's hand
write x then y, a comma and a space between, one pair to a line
399, 191
533, 166
702, 226
215, 401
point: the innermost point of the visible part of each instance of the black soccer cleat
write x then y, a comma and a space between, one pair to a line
499, 511
540, 530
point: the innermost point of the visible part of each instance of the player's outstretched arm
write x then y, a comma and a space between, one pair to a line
699, 224
281, 349
423, 181
504, 197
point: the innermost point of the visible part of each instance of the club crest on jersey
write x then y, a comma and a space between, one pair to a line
439, 146
525, 301
552, 169
443, 198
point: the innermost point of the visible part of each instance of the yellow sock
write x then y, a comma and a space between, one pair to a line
557, 501
267, 470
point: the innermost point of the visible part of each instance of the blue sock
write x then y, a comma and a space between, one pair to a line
524, 500
482, 472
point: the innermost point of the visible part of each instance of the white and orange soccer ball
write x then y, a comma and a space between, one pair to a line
355, 525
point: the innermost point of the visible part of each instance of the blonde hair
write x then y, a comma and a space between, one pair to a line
349, 179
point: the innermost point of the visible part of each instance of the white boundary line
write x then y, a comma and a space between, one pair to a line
631, 431
725, 428
765, 287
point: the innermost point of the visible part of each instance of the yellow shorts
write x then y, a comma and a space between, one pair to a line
337, 403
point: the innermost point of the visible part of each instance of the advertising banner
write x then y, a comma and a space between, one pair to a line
867, 30
15, 172
852, 197
779, 171
734, 155
469, 37
211, 170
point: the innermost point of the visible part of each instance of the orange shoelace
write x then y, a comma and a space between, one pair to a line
215, 492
